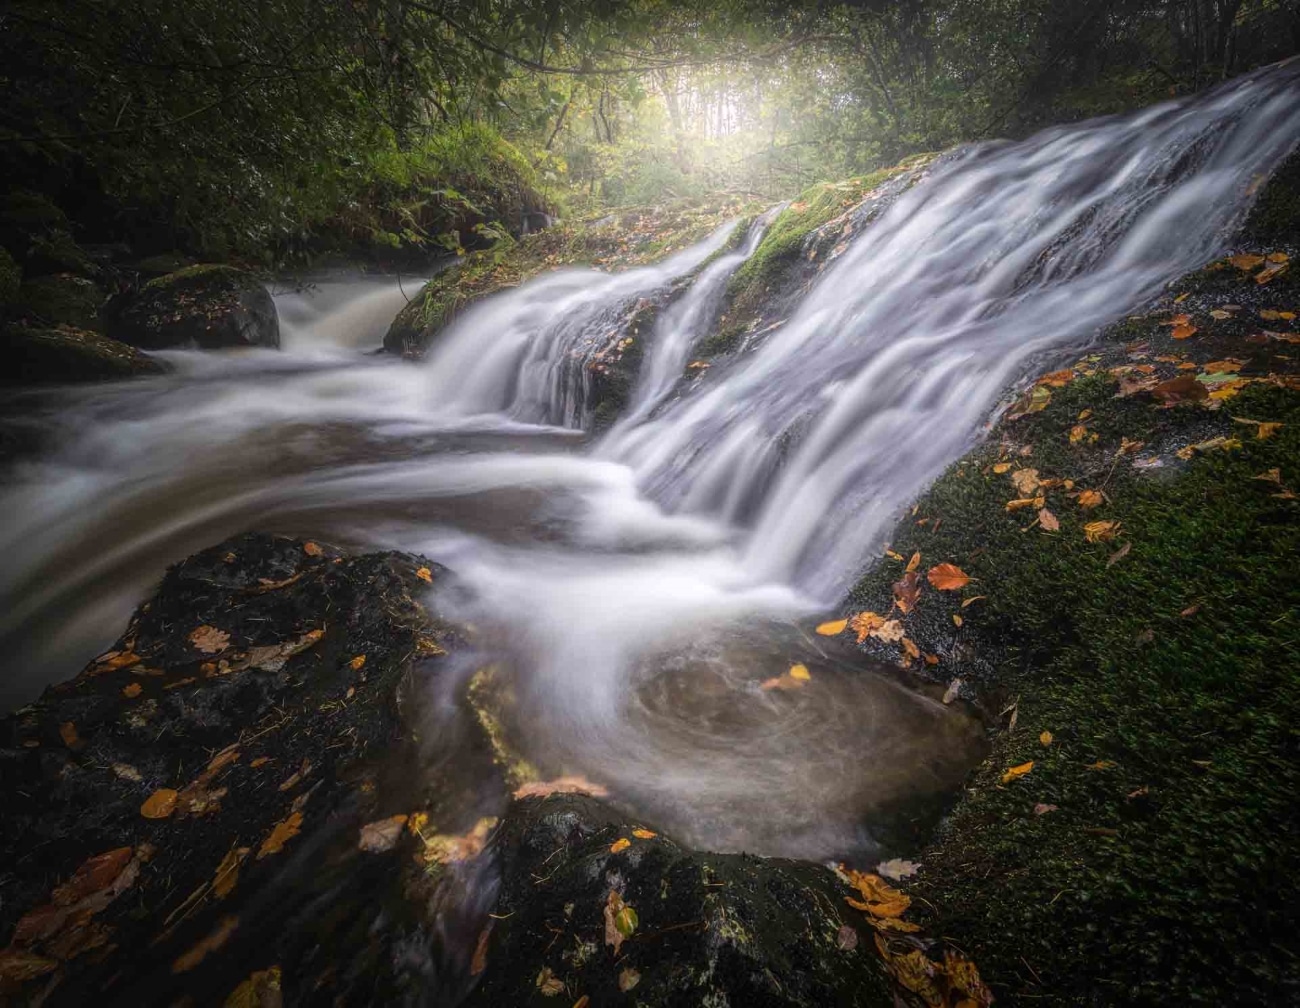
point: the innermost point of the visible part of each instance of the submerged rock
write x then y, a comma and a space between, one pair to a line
41, 356
594, 904
205, 306
183, 819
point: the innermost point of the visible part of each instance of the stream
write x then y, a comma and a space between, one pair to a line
634, 588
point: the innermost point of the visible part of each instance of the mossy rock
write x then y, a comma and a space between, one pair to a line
35, 356
62, 299
207, 306
703, 929
11, 278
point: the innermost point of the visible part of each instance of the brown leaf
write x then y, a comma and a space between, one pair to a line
1048, 520
381, 835
628, 978
357, 663
914, 562
1191, 610
479, 963
68, 732
1104, 764
227, 874
160, 804
910, 647
284, 831
1042, 809
620, 921
311, 549
1023, 502
548, 983
132, 690
1184, 388
1026, 481
17, 965
214, 940
948, 577
889, 631
907, 590
1266, 430
561, 785
209, 639
1183, 331
1246, 261
1119, 554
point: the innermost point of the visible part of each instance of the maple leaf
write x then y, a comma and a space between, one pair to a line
209, 639
948, 577
866, 623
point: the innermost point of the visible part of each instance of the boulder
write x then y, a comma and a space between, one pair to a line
41, 356
184, 819
61, 299
205, 306
698, 929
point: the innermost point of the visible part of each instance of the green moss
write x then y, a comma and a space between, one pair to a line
61, 300
197, 271
1172, 875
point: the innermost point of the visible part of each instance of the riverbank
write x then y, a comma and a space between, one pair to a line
1130, 531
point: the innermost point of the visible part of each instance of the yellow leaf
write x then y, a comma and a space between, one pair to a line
1045, 738
1278, 257
424, 574
1104, 764
548, 983
260, 990
1023, 502
832, 628
1245, 261
800, 672
1002, 467
561, 785
948, 577
160, 804
621, 844
1090, 499
1100, 531
644, 834
910, 647
1270, 271
1267, 430
283, 832
1077, 433
914, 563
227, 874
892, 555
1017, 771
357, 663
956, 620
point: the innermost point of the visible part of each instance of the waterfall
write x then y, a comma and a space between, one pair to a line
635, 587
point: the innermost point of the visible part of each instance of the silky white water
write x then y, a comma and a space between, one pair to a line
634, 589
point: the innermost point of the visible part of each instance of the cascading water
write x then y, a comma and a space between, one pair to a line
635, 590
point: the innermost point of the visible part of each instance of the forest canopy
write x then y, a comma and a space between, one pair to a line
266, 129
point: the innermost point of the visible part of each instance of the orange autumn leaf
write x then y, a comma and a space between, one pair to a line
1100, 531
1183, 331
1246, 261
209, 639
644, 834
424, 574
619, 845
907, 590
132, 690
1017, 771
948, 577
283, 832
357, 663
915, 562
1090, 498
160, 804
832, 628
866, 623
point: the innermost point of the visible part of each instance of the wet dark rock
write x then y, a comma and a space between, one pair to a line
206, 306
264, 684
711, 929
38, 355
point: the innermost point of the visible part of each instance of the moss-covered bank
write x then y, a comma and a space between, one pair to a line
1131, 630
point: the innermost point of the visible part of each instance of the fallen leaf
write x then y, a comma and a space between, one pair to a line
879, 898
951, 693
1266, 430
260, 990
629, 978
1141, 792
1045, 738
799, 672
1104, 764
619, 845
311, 549
914, 562
1119, 554
1246, 261
866, 623
1191, 610
284, 831
1220, 314
548, 983
1048, 521
1271, 272
1042, 809
1077, 433
1184, 388
948, 577
846, 939
889, 631
227, 873
127, 772
1001, 467
907, 590
644, 834
217, 937
1270, 476
620, 921
897, 869
1023, 502
1025, 480
561, 785
132, 690
964, 977
17, 965
424, 574
381, 835
956, 620
357, 663
160, 804
1100, 531
1278, 257
1017, 771
973, 598
68, 732
209, 639
479, 962
585, 1000
446, 849
1183, 332
832, 628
